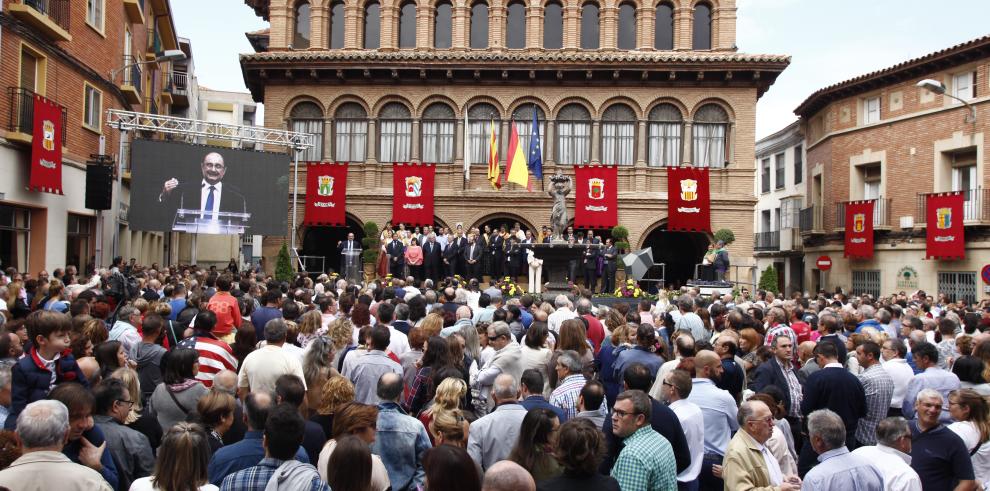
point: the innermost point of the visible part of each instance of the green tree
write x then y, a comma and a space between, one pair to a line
768, 280
620, 237
370, 242
725, 235
283, 267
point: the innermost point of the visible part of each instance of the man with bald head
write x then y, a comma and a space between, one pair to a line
719, 410
491, 438
507, 475
210, 195
463, 316
401, 439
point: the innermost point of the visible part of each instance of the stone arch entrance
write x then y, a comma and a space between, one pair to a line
322, 241
496, 220
680, 251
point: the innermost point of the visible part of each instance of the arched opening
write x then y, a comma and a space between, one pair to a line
438, 128
479, 26
710, 132
407, 25
680, 251
573, 135
618, 135
337, 25
372, 25
553, 26
627, 26
300, 38
507, 220
322, 242
663, 36
515, 26
589, 26
664, 135
702, 35
350, 132
395, 133
442, 25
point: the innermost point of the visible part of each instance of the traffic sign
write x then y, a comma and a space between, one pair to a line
985, 274
824, 263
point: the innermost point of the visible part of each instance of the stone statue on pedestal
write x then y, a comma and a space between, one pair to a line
560, 187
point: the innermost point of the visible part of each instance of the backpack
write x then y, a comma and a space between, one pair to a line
124, 287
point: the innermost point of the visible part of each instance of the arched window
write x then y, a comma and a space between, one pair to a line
480, 119
300, 39
515, 26
709, 131
618, 135
372, 25
438, 134
307, 117
395, 133
337, 25
702, 35
351, 132
523, 117
553, 26
663, 34
479, 25
573, 135
442, 25
664, 136
407, 25
589, 26
627, 26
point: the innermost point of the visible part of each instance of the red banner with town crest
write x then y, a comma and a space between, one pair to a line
326, 193
412, 193
944, 222
859, 229
688, 199
46, 147
596, 196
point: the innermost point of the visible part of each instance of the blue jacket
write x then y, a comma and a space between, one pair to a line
637, 354
96, 437
241, 455
539, 402
31, 381
606, 369
401, 442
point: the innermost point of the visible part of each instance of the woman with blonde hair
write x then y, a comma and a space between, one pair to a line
138, 419
341, 332
310, 327
360, 420
216, 413
16, 304
317, 368
572, 337
55, 300
182, 462
448, 398
432, 325
337, 391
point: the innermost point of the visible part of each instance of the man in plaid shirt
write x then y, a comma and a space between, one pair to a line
647, 460
879, 388
566, 395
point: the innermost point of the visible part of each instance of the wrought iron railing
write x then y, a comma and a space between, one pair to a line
133, 75
881, 213
767, 241
21, 118
976, 206
56, 10
809, 219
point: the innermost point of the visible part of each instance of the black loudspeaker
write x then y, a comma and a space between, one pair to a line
99, 187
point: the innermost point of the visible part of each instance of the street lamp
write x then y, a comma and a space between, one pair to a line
938, 88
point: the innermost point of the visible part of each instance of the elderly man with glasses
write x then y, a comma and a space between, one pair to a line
748, 463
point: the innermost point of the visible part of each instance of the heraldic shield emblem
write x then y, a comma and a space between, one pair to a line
596, 188
689, 189
49, 130
414, 186
325, 187
944, 218
859, 222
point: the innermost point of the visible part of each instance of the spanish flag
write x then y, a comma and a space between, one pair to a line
516, 170
494, 170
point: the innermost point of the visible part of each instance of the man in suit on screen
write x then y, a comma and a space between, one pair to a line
210, 195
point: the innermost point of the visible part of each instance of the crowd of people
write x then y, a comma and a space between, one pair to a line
181, 378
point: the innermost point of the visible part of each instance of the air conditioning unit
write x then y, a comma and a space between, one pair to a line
907, 222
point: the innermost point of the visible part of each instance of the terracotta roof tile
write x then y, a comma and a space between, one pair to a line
509, 56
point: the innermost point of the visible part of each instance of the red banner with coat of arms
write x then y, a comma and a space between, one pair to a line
46, 147
326, 193
944, 222
688, 199
596, 196
859, 229
412, 193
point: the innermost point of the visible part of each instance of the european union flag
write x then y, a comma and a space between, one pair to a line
535, 161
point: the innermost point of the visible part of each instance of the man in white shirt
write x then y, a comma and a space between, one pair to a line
893, 353
265, 365
675, 389
562, 313
689, 320
892, 453
398, 342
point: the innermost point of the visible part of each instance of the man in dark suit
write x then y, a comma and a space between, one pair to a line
450, 255
432, 258
780, 372
396, 257
461, 242
345, 246
497, 244
472, 259
210, 195
591, 262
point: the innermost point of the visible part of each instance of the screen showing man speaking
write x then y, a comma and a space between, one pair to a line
209, 190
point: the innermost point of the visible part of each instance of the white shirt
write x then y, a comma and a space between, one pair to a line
894, 466
557, 318
264, 366
398, 343
693, 423
144, 484
901, 373
205, 193
967, 432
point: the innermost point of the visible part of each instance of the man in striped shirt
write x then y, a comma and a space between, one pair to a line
214, 354
569, 372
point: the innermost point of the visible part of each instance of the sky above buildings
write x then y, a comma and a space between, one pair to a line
828, 41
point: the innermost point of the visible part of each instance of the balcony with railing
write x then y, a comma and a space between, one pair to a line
766, 241
132, 78
134, 10
810, 220
49, 17
20, 123
976, 207
881, 214
177, 86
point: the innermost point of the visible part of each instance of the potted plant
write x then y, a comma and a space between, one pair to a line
725, 235
283, 266
620, 237
371, 244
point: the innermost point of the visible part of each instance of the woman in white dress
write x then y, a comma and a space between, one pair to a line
971, 414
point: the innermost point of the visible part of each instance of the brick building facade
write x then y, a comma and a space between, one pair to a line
641, 86
879, 136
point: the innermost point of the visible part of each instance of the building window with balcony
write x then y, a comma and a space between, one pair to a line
92, 107
589, 26
481, 117
710, 134
618, 135
553, 26
336, 34
438, 125
372, 25
94, 14
663, 33
765, 175
871, 110
32, 76
300, 38
515, 26
395, 133
779, 163
964, 86
78, 239
15, 235
701, 37
573, 135
664, 136
627, 26
350, 132
443, 25
523, 118
798, 164
479, 25
963, 167
407, 25
307, 117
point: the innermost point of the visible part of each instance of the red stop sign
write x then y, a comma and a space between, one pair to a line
824, 263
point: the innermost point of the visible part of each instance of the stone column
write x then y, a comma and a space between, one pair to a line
641, 143
318, 27
686, 147
596, 142
550, 147
415, 153
371, 152
353, 27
